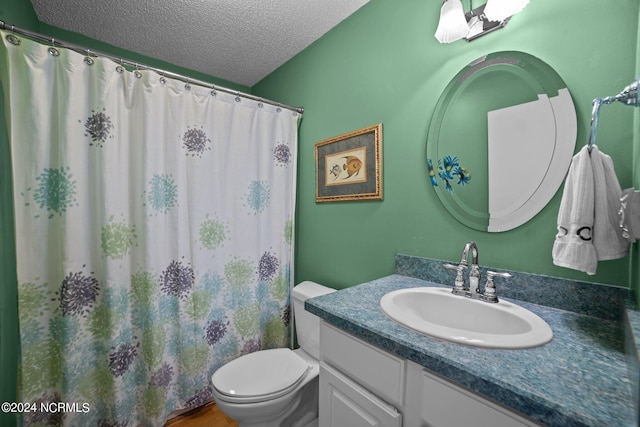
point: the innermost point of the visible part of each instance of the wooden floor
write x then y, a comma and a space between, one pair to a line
208, 415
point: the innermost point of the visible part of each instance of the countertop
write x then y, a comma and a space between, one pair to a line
580, 378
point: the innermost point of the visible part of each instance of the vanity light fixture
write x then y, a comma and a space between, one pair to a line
455, 24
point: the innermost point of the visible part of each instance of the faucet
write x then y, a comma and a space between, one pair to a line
473, 291
474, 274
459, 287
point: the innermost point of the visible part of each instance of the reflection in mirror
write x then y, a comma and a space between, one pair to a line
501, 140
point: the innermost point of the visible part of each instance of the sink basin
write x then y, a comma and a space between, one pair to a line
439, 313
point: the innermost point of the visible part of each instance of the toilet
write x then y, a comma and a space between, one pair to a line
276, 387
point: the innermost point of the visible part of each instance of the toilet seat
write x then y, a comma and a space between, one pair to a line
260, 376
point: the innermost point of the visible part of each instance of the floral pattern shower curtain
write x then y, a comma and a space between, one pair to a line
154, 227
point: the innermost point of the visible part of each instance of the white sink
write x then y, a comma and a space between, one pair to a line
439, 313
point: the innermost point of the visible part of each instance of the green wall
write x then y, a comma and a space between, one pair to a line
383, 64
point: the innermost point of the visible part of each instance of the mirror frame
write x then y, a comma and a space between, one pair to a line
542, 79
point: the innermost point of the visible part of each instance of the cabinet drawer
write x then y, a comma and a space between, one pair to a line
344, 403
446, 405
378, 371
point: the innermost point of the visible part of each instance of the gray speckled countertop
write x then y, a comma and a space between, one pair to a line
581, 378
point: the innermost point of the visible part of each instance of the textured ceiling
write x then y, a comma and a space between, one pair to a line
241, 41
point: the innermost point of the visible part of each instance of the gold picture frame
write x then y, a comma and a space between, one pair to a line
349, 166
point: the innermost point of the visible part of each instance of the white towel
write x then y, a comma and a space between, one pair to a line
607, 235
573, 247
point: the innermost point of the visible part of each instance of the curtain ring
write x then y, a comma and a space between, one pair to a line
88, 59
187, 85
238, 99
12, 38
52, 50
213, 90
137, 72
162, 79
120, 68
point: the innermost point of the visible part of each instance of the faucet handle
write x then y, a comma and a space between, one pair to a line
490, 287
458, 284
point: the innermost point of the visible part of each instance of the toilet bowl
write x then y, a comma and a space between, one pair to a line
276, 387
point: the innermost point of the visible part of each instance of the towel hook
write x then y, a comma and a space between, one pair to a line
595, 114
628, 96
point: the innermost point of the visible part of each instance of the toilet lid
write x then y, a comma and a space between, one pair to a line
266, 373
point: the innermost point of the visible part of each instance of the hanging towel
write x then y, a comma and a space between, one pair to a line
573, 247
630, 214
607, 235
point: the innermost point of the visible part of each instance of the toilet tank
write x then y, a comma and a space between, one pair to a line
307, 324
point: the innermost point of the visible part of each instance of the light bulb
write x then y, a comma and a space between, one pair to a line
452, 25
499, 10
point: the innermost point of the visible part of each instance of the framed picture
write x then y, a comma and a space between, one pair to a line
349, 166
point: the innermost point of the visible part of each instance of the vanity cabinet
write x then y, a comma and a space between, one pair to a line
362, 385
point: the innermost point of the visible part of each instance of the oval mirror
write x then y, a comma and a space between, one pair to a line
501, 140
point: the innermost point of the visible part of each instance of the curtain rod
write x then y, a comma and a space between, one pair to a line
137, 65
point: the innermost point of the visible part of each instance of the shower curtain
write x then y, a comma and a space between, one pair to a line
154, 234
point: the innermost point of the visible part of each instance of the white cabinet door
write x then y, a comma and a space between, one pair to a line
444, 404
344, 403
377, 370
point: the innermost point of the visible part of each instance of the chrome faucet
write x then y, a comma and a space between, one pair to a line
460, 287
474, 274
473, 291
